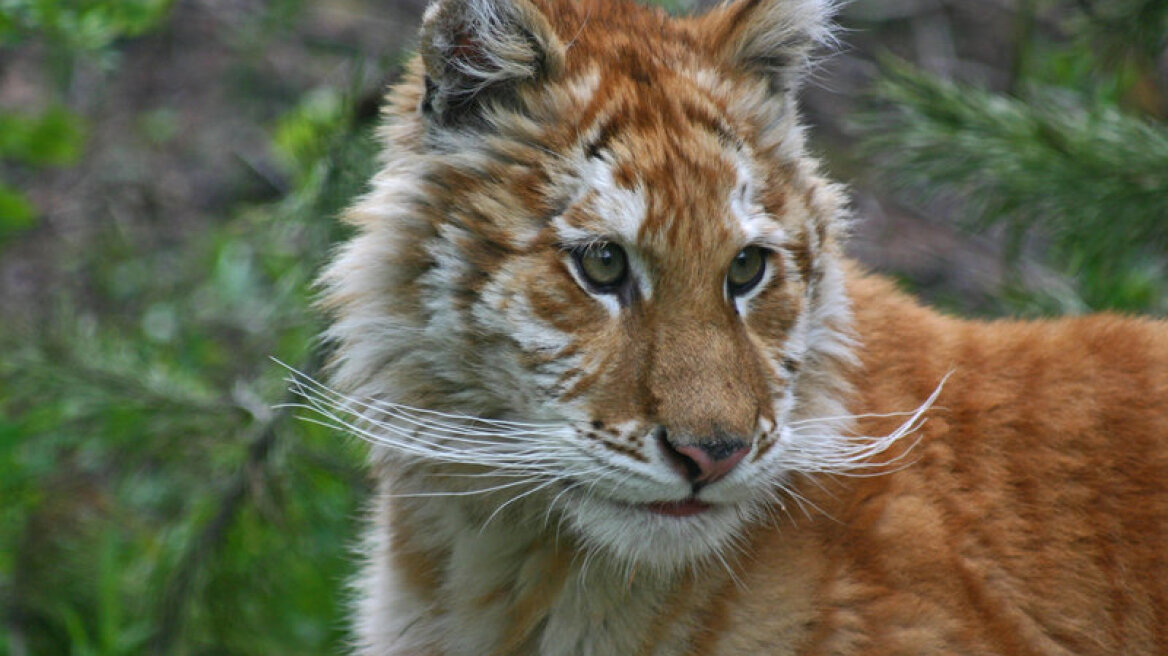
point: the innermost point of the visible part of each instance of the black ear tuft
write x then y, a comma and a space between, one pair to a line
479, 50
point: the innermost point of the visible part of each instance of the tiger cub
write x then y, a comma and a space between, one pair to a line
628, 396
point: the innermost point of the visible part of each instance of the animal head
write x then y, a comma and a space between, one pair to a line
599, 269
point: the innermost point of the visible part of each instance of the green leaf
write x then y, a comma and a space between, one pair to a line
303, 135
8, 28
16, 211
55, 137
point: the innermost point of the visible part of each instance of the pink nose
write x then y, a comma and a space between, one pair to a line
705, 461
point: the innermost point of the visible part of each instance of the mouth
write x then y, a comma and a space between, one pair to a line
665, 534
684, 508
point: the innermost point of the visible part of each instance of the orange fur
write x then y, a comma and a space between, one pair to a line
1027, 515
1034, 518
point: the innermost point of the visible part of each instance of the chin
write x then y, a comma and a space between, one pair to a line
661, 539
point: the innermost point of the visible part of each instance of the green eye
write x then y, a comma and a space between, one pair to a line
746, 270
604, 265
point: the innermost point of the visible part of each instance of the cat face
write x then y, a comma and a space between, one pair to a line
610, 262
662, 316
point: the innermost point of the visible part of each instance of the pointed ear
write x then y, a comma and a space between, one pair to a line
774, 38
477, 51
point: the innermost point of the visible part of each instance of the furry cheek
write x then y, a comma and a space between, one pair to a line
554, 296
541, 324
775, 312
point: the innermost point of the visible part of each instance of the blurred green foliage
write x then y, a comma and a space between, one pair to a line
157, 498
16, 211
1123, 29
55, 137
68, 30
1075, 165
297, 136
155, 501
79, 25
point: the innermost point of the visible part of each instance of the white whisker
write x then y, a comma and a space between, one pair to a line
459, 493
512, 500
516, 449
303, 382
831, 453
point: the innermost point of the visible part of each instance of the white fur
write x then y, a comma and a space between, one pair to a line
610, 213
622, 210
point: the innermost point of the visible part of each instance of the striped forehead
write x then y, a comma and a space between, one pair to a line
663, 173
668, 201
670, 142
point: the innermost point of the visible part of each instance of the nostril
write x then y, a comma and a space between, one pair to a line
680, 462
704, 462
728, 453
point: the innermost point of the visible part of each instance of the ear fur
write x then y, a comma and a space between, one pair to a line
475, 50
774, 38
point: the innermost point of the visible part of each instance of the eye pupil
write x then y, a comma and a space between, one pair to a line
746, 270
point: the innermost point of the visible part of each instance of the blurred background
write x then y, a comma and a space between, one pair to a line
169, 175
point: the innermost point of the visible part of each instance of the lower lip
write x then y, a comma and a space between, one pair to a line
684, 508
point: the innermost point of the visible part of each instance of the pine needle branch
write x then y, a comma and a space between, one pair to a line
180, 590
1094, 181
